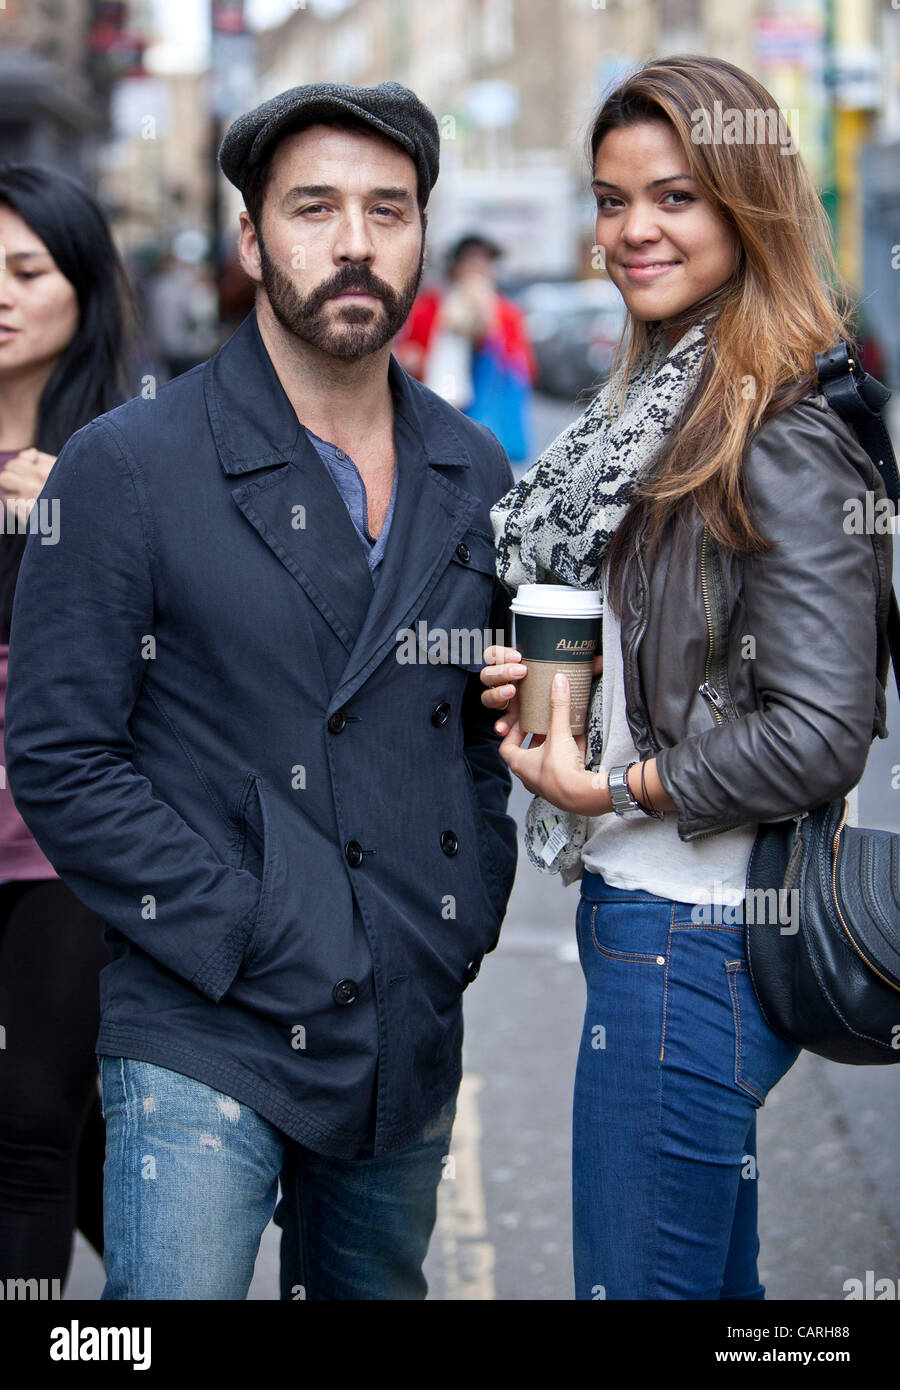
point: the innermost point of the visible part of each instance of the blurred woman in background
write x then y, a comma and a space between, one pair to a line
62, 301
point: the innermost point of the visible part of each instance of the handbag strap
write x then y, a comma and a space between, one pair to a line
859, 399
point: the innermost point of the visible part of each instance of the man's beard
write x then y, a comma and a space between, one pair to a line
356, 330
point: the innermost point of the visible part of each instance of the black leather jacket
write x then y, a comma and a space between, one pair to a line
758, 681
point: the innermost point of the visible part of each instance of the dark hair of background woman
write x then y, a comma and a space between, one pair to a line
88, 379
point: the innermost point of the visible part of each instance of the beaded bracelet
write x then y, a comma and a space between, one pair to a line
648, 806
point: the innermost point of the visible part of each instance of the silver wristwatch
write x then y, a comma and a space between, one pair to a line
623, 803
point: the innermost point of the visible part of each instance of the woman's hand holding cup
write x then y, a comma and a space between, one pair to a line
502, 670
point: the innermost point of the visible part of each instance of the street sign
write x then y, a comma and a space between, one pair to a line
788, 40
233, 73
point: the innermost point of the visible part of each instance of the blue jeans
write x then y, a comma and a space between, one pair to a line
190, 1184
675, 1059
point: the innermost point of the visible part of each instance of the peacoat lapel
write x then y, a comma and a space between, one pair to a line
297, 511
431, 514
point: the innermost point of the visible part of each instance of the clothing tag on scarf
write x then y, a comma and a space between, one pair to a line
553, 836
553, 839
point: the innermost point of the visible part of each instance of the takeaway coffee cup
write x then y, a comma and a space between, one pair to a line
556, 628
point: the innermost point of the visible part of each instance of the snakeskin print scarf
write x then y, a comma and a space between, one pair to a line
555, 525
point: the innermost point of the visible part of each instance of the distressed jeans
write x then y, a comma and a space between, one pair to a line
190, 1184
675, 1060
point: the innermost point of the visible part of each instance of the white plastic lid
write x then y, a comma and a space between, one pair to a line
557, 601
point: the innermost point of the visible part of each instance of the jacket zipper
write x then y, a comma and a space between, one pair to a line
636, 642
712, 696
707, 689
834, 854
796, 854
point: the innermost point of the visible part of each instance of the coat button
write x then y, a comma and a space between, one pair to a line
449, 842
353, 853
462, 551
345, 991
337, 721
471, 971
440, 714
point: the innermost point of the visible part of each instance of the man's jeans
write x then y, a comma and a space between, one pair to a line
190, 1184
675, 1060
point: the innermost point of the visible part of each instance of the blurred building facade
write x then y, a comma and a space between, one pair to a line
513, 84
47, 109
156, 173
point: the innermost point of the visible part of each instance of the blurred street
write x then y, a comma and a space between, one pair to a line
828, 1135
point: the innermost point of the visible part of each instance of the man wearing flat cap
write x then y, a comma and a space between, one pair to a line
251, 738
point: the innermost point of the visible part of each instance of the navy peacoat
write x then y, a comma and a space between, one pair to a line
291, 816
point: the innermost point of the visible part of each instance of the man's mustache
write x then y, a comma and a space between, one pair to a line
351, 278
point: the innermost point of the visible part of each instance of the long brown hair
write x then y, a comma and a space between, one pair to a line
784, 302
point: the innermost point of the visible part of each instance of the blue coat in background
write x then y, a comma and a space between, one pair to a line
299, 842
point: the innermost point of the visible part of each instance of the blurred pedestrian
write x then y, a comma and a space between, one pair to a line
181, 302
468, 342
743, 672
61, 332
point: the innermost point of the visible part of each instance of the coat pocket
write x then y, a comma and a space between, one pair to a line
258, 857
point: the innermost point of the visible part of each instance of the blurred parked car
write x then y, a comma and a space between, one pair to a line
574, 326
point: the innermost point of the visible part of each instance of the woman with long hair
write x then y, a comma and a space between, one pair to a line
62, 295
744, 657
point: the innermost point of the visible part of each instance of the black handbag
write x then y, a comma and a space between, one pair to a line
825, 961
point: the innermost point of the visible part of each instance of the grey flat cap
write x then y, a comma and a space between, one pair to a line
391, 109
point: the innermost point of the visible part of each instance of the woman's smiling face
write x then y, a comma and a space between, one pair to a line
666, 246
